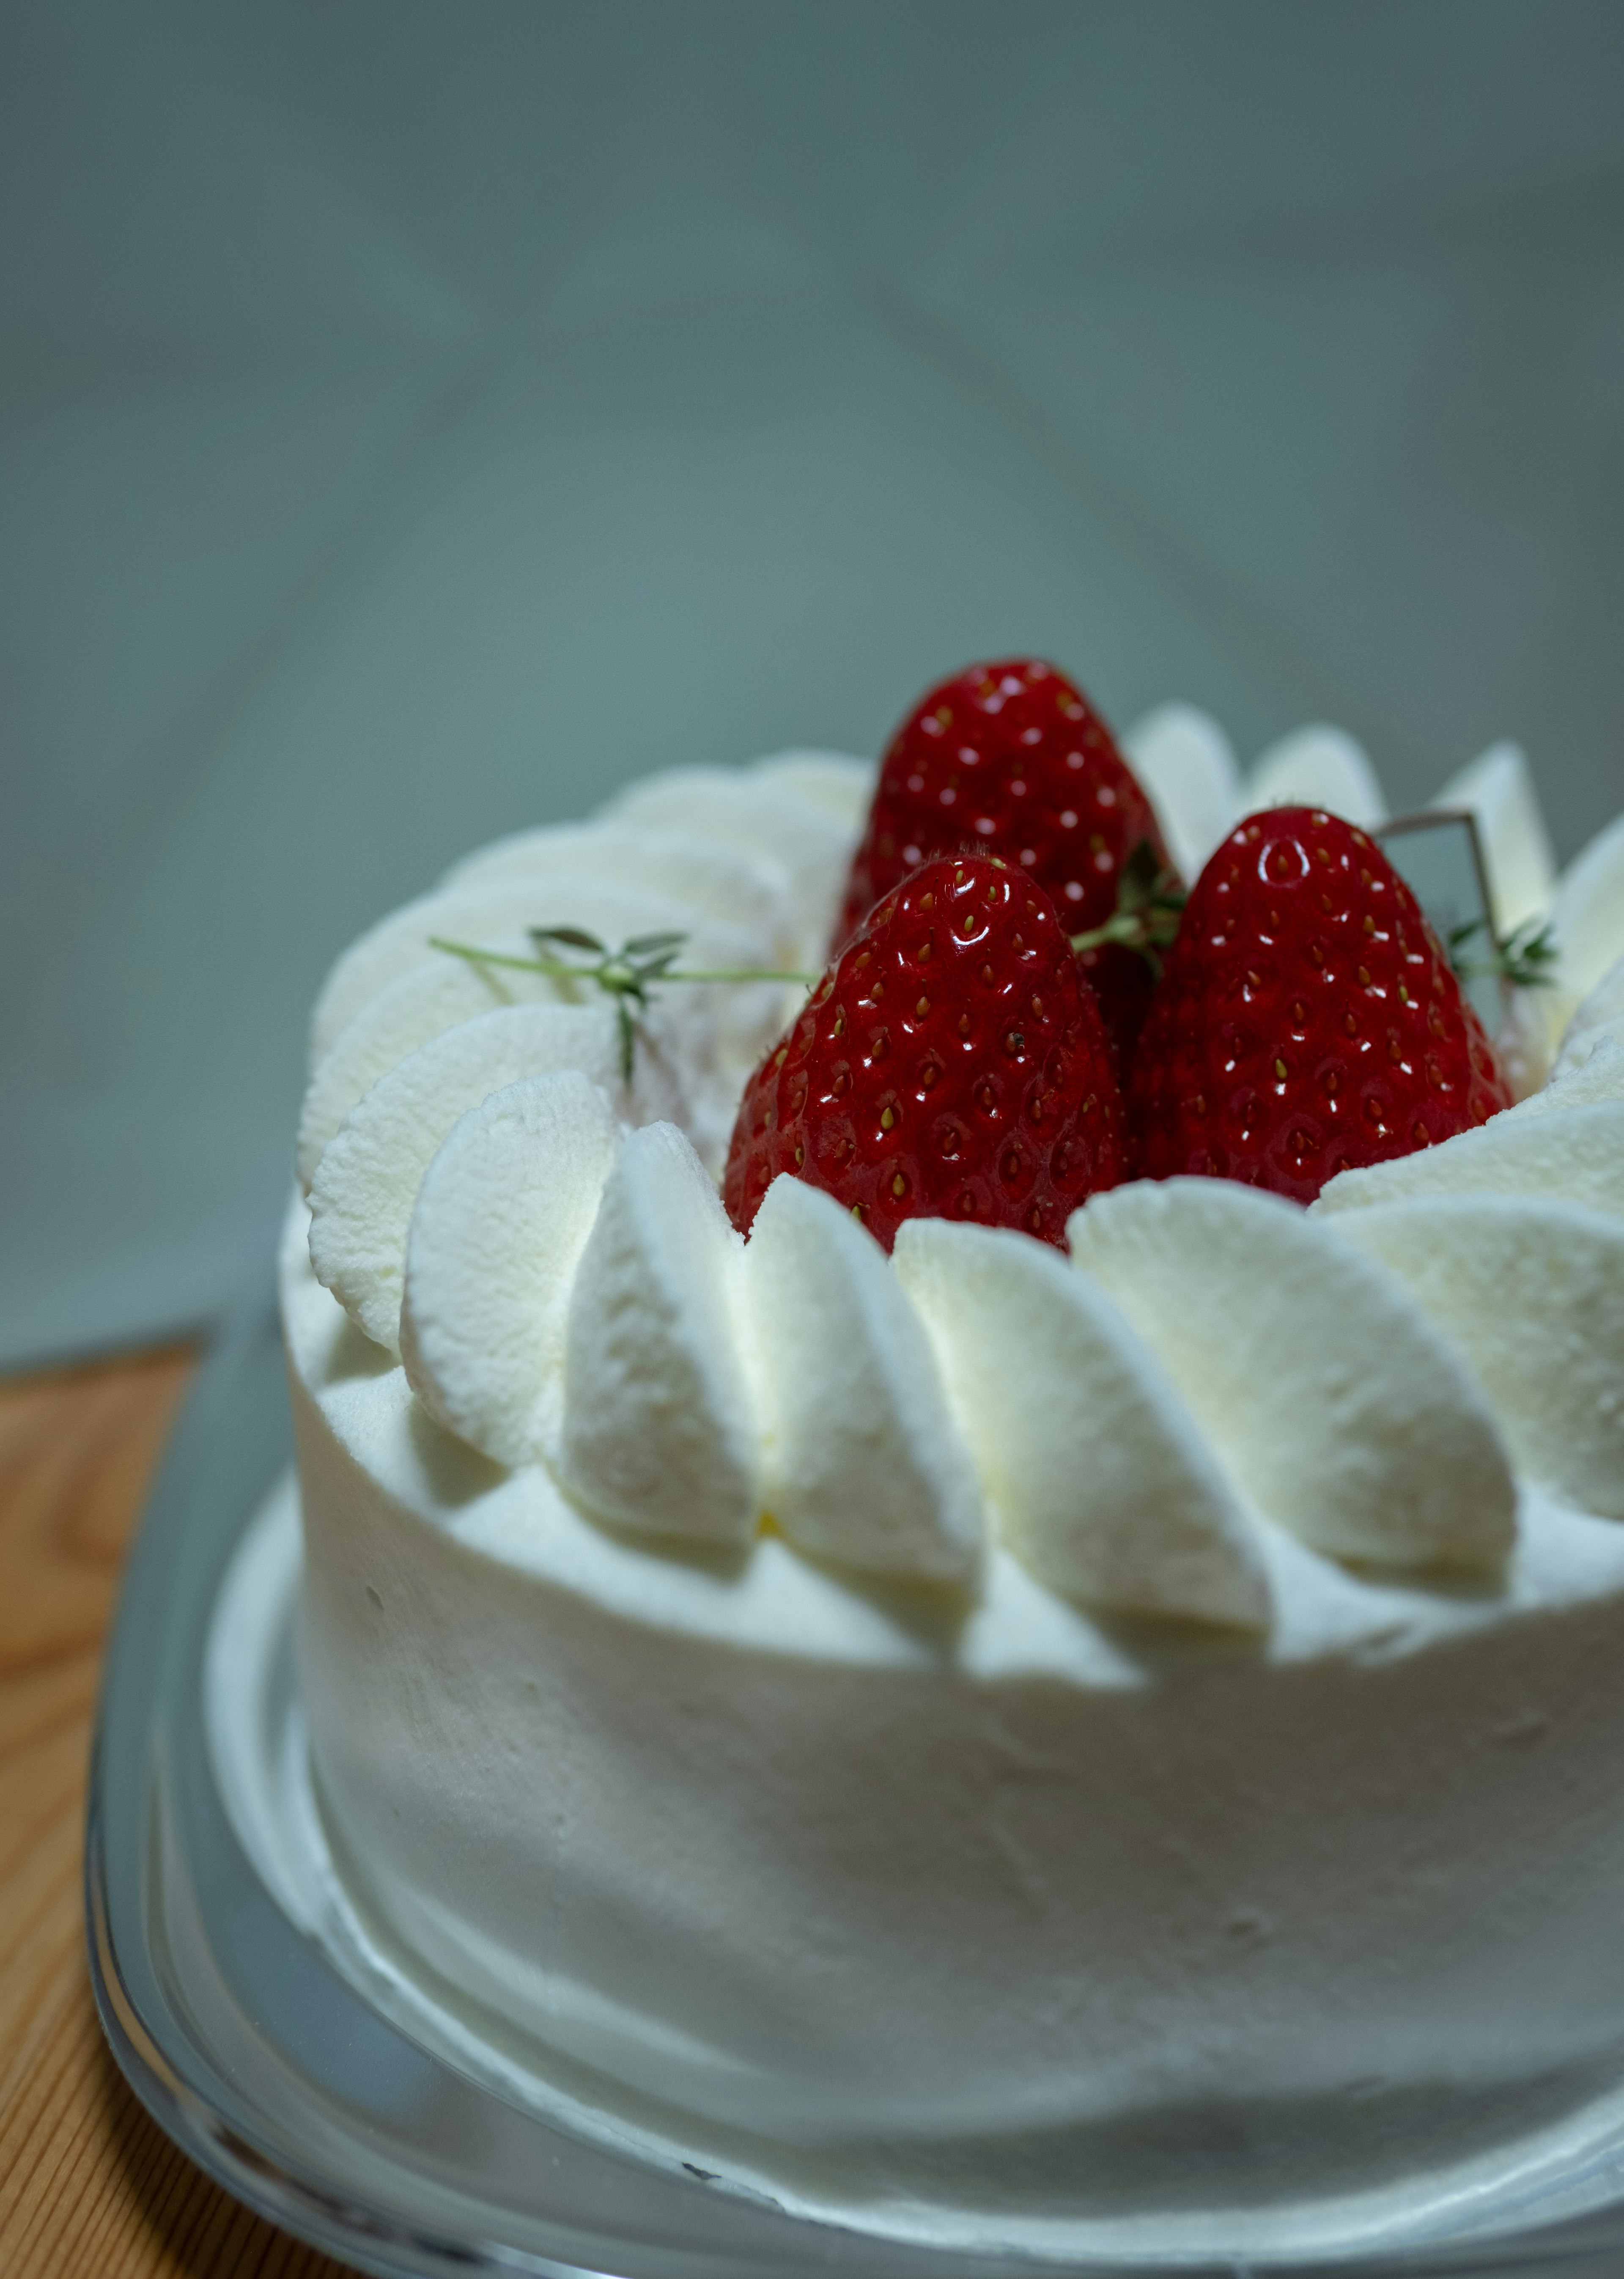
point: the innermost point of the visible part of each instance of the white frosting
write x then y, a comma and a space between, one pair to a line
1588, 912
423, 1002
500, 1223
762, 819
1592, 1022
1100, 1479
863, 1463
1593, 1071
1531, 1291
660, 1433
391, 991
1337, 1407
719, 1031
493, 910
1575, 1153
367, 1181
717, 882
1586, 921
1595, 1020
842, 786
1598, 1021
1319, 766
1498, 791
1187, 765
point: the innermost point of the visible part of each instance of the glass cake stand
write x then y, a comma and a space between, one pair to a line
265, 2062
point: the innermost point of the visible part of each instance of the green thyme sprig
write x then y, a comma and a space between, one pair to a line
1527, 958
626, 975
1150, 903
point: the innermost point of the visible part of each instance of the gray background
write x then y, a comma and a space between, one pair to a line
415, 419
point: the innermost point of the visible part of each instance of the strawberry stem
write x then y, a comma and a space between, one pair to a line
1150, 901
625, 974
1527, 957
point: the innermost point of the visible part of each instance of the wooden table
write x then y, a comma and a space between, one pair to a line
88, 2183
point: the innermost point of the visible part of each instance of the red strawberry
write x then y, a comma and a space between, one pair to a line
1307, 1019
949, 1065
1012, 759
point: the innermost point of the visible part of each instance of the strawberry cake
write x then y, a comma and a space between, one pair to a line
963, 1512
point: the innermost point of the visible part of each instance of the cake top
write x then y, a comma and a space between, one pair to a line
1137, 1384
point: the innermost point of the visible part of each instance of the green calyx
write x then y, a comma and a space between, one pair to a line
626, 974
1150, 903
1527, 958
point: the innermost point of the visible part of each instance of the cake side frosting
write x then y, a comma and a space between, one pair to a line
807, 1855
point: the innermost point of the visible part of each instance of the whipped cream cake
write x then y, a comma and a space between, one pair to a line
967, 1724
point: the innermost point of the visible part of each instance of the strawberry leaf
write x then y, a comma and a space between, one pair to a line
1527, 958
576, 937
624, 974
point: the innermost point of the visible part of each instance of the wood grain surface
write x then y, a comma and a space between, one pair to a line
88, 2183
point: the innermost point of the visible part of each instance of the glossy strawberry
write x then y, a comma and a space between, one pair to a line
1307, 1019
951, 1063
1011, 759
